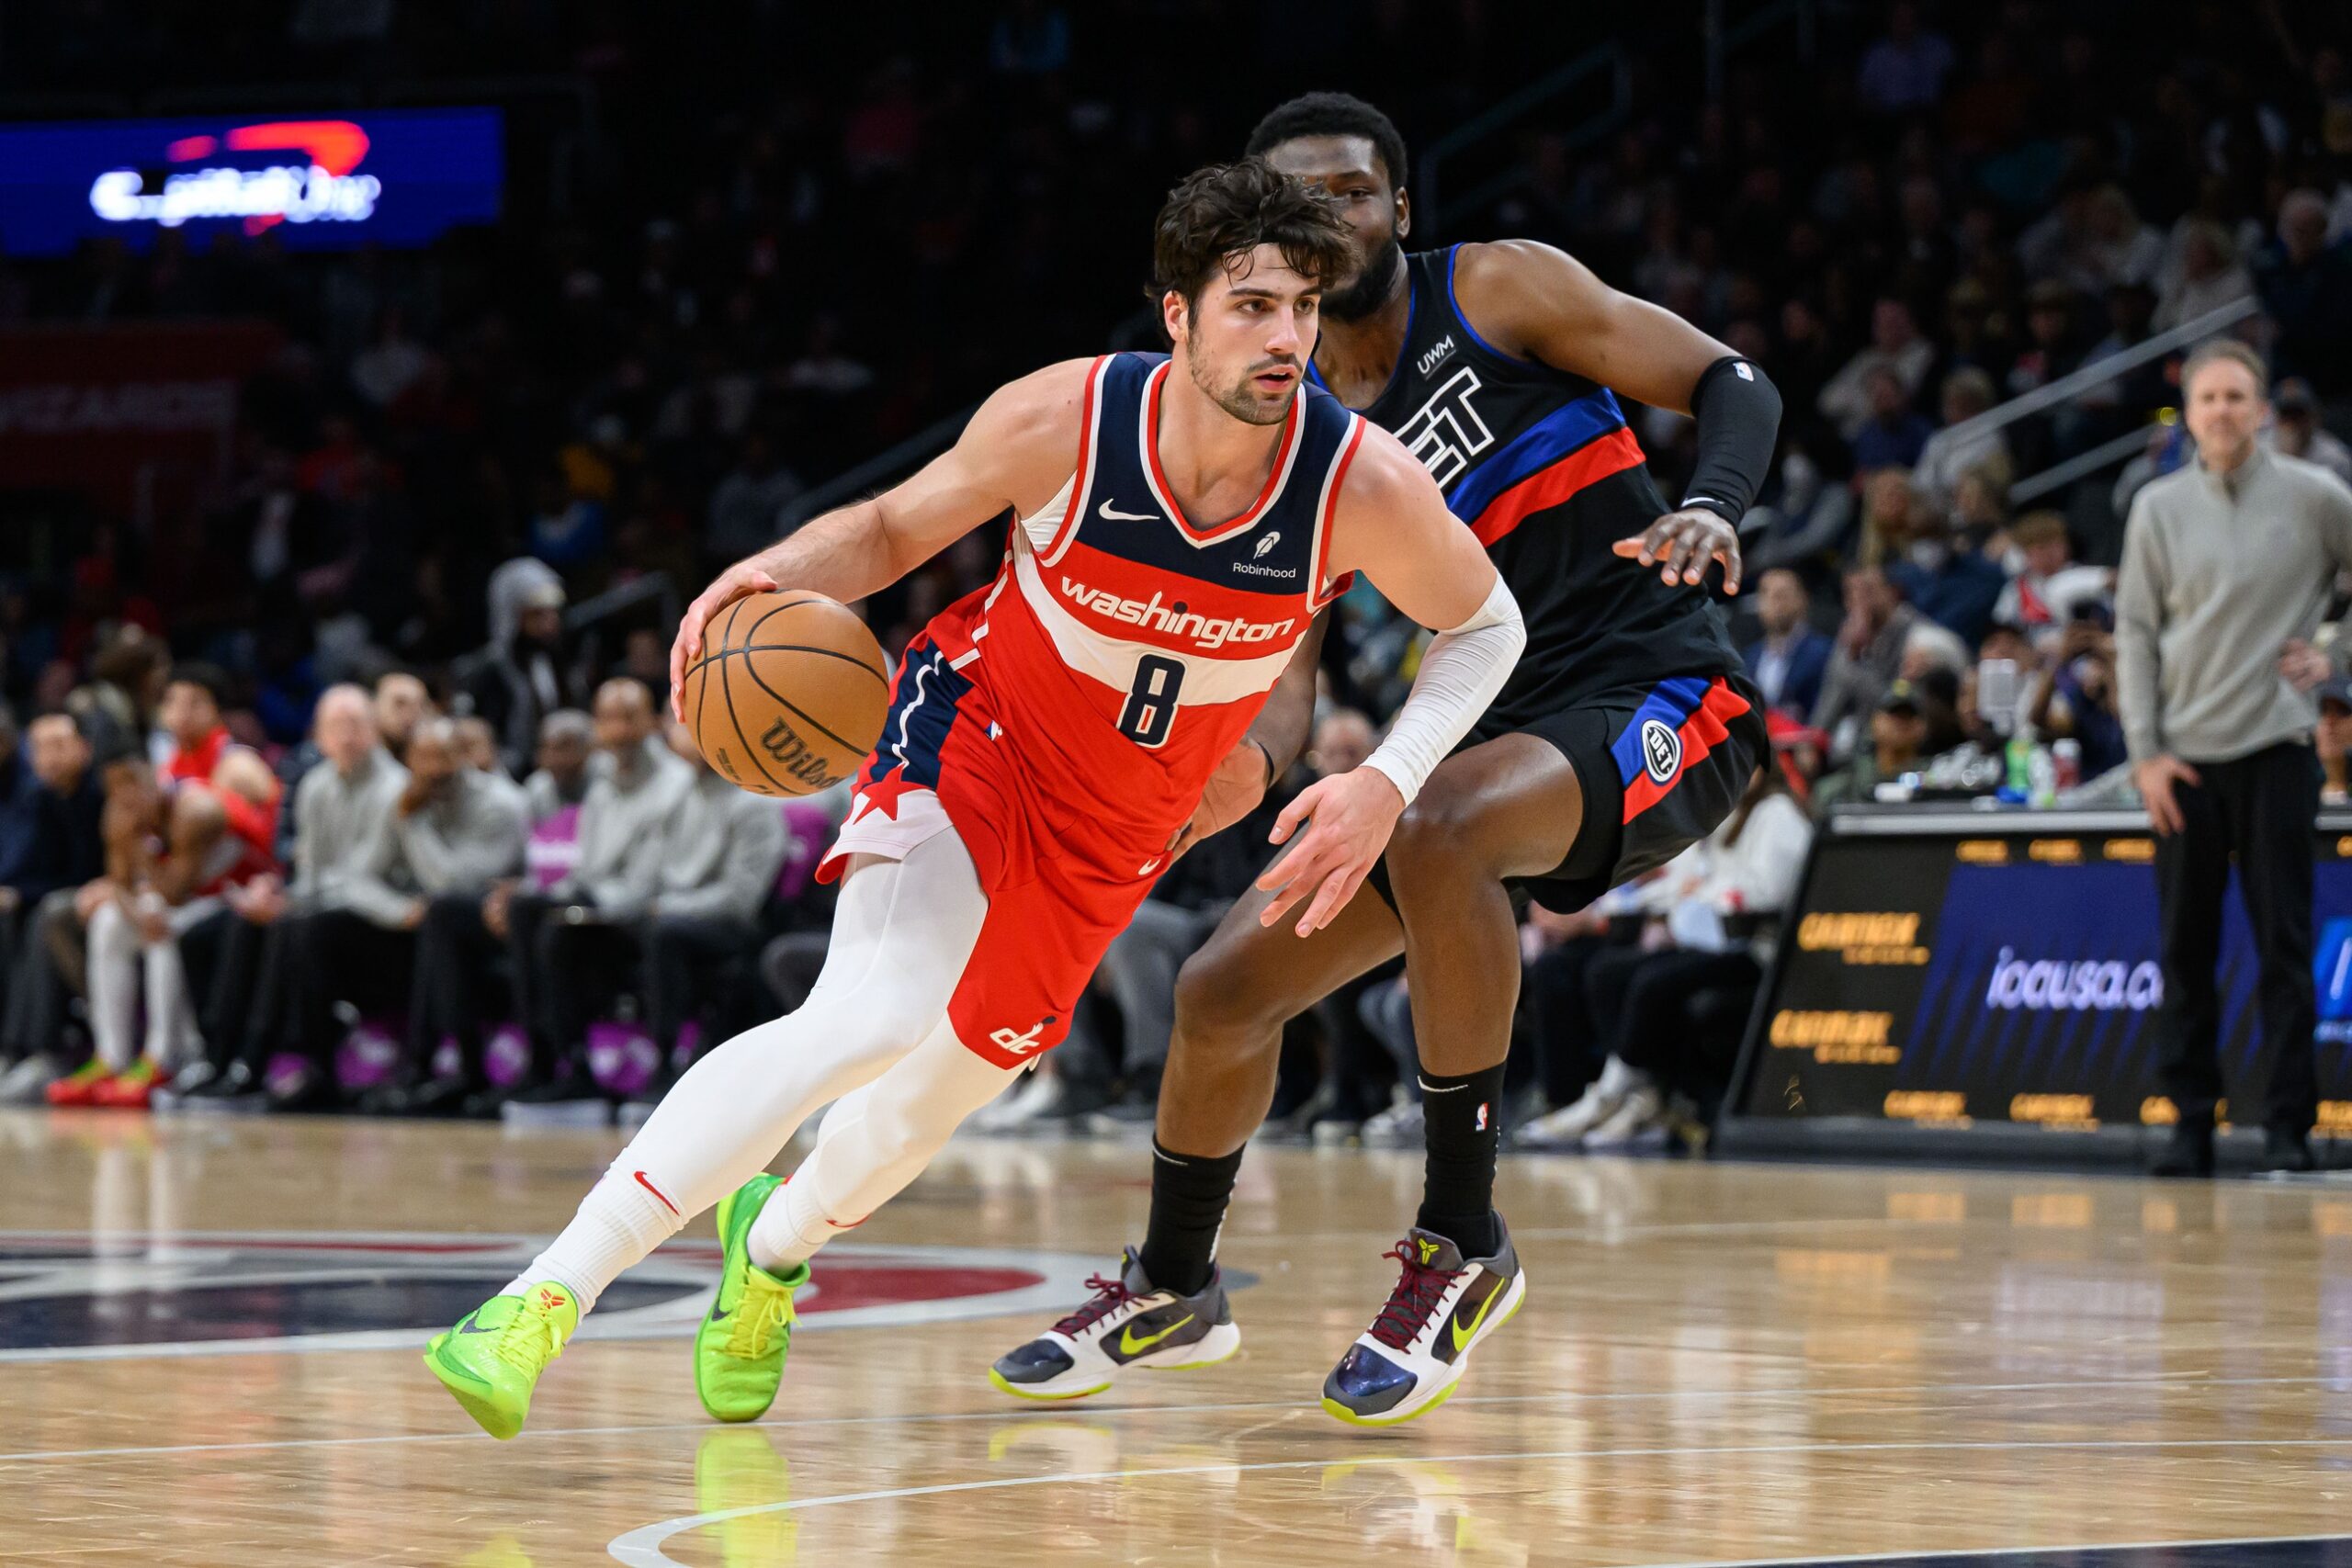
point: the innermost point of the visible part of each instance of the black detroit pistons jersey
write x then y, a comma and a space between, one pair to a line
1124, 647
1540, 466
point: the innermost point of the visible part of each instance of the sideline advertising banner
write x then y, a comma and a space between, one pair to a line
1956, 974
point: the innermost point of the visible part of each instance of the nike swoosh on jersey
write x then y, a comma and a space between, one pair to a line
1129, 1344
1462, 1338
1111, 513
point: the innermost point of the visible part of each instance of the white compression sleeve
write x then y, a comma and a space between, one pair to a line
1460, 674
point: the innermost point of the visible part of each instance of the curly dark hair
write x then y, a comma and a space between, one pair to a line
1217, 216
1333, 114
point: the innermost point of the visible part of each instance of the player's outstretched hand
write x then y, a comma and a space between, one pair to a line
1348, 817
733, 584
1682, 543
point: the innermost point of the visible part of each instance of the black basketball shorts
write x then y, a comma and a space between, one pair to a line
1661, 764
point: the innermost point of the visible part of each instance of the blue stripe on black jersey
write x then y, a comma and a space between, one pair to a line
1557, 433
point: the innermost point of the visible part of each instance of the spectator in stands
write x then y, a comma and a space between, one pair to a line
526, 671
346, 934
1668, 1010
1952, 585
1896, 434
49, 846
2078, 701
477, 745
2227, 569
1905, 70
2297, 431
2051, 347
2210, 275
194, 700
746, 507
2042, 597
1947, 454
1788, 662
1804, 517
459, 832
564, 946
2332, 735
150, 900
1847, 401
1869, 654
567, 745
2306, 287
1898, 744
721, 852
400, 700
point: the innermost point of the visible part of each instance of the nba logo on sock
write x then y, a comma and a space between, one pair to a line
1482, 1116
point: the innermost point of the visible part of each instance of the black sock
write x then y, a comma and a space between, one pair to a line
1189, 1194
1463, 1131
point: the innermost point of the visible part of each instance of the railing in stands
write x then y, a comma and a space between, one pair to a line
875, 471
1727, 39
1428, 175
2097, 374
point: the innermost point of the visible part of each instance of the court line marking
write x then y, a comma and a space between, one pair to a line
1997, 1552
1026, 1414
642, 1548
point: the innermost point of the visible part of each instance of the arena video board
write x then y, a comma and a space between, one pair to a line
1955, 979
392, 178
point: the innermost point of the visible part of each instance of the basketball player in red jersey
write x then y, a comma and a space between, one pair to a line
1179, 521
1625, 734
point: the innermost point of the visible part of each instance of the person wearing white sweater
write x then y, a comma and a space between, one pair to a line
1741, 877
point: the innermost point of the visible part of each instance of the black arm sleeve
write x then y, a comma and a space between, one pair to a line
1739, 411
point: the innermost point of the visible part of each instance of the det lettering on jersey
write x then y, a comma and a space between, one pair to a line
1174, 620
1445, 433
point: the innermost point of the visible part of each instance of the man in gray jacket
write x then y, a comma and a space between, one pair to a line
571, 945
2227, 569
461, 832
726, 846
340, 929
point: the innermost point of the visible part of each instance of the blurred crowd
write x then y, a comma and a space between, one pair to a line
785, 247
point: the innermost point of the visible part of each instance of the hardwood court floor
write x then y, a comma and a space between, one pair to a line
1717, 1363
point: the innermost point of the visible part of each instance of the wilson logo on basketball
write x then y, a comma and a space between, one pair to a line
792, 754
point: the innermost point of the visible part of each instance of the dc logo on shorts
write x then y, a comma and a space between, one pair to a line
1661, 751
1021, 1042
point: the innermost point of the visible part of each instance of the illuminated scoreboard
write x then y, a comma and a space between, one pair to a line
1956, 973
389, 177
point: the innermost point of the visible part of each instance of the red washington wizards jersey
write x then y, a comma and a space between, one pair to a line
1123, 649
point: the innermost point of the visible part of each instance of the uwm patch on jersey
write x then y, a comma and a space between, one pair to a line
1127, 645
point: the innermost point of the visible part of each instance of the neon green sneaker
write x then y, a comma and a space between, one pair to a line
740, 1350
493, 1357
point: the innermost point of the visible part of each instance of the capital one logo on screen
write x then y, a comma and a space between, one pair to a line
308, 176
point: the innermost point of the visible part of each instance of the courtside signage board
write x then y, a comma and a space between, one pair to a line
394, 177
1964, 979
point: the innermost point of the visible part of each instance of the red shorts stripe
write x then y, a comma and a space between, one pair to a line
1707, 727
1588, 464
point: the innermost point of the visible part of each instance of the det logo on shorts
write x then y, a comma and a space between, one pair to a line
1661, 751
75, 1297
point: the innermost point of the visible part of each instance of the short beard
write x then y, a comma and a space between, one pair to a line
1238, 399
1372, 288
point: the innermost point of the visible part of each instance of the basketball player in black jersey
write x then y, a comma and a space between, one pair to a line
1624, 735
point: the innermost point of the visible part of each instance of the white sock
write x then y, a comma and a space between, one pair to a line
619, 1222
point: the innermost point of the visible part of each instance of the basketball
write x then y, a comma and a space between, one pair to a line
789, 695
